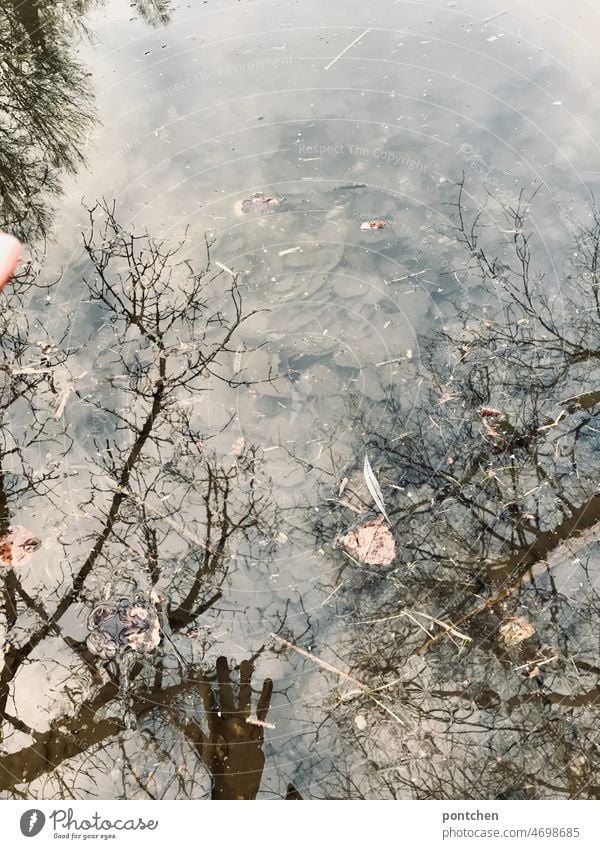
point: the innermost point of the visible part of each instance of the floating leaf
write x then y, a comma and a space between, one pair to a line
17, 546
371, 543
375, 224
515, 630
260, 202
374, 488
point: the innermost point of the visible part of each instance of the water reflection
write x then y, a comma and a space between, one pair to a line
47, 110
156, 508
189, 428
481, 636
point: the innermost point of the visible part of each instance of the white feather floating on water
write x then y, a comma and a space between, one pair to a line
374, 488
224, 268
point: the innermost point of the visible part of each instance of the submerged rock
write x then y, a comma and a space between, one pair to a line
127, 624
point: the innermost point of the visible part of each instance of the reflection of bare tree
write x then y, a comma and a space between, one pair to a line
482, 637
46, 110
28, 364
157, 509
155, 12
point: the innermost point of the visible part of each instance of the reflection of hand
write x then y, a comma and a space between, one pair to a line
10, 253
292, 793
233, 749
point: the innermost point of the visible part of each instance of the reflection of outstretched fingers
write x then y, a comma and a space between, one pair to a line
190, 728
264, 701
208, 696
195, 735
246, 670
292, 792
225, 686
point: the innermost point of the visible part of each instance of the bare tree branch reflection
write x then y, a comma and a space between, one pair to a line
156, 13
481, 635
47, 111
148, 505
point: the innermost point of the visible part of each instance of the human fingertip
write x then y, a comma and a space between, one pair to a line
10, 254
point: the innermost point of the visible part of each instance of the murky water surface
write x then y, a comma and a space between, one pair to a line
267, 240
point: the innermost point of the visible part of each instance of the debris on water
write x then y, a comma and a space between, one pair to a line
127, 624
225, 268
374, 488
533, 673
371, 543
260, 203
515, 630
491, 17
260, 723
375, 224
352, 186
489, 412
17, 546
63, 398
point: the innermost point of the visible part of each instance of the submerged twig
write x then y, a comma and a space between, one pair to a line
346, 49
181, 529
447, 627
364, 688
536, 663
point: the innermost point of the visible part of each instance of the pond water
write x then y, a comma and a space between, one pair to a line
156, 447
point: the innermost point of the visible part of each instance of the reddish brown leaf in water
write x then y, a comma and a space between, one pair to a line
260, 202
515, 630
371, 543
375, 224
17, 546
